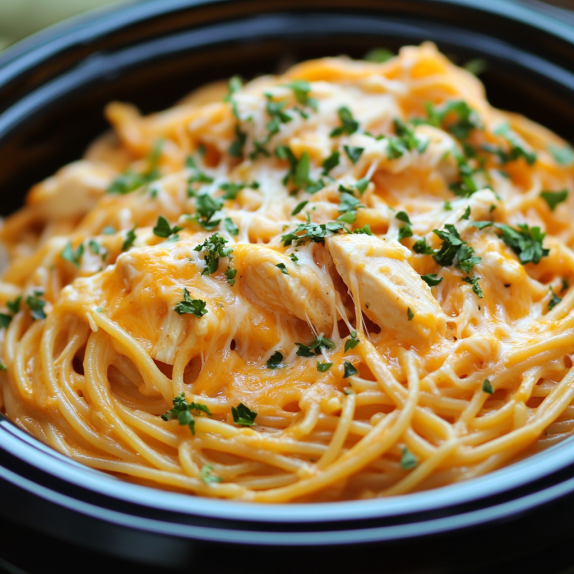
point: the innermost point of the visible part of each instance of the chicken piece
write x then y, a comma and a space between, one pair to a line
390, 292
305, 291
72, 191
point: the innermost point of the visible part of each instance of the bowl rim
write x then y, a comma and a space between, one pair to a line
27, 54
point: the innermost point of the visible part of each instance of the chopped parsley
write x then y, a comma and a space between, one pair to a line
404, 141
299, 207
275, 360
487, 387
230, 274
130, 181
554, 300
352, 342
475, 286
315, 348
431, 279
553, 198
94, 246
36, 305
331, 162
2, 366
206, 207
526, 242
299, 170
129, 240
466, 185
378, 55
243, 416
408, 459
403, 216
294, 258
190, 306
353, 153
349, 370
181, 411
235, 84
230, 226
238, 143
463, 119
214, 248
348, 123
323, 367
516, 148
362, 184
410, 314
163, 229
283, 268
466, 213
74, 256
206, 474
561, 155
405, 231
311, 231
14, 305
365, 230
301, 90
476, 66
454, 247
13, 308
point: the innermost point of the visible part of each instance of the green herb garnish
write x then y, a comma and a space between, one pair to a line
275, 361
349, 370
190, 306
243, 416
553, 198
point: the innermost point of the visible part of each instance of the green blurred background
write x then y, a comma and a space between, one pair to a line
19, 18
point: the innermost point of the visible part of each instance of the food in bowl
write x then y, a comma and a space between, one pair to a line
348, 281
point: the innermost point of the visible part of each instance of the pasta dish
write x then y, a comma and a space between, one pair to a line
348, 281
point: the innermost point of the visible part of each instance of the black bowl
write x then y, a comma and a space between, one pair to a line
52, 92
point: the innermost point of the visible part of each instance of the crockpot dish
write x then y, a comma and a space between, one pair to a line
352, 280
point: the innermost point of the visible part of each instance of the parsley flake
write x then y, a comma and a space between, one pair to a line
275, 361
331, 162
553, 198
348, 124
487, 387
72, 255
181, 411
311, 231
163, 229
206, 207
408, 459
243, 416
403, 216
466, 213
129, 240
562, 155
475, 286
353, 153
410, 314
36, 305
230, 274
315, 348
431, 279
283, 268
352, 342
299, 207
230, 226
349, 370
206, 474
323, 367
190, 306
214, 248
526, 242
405, 231
554, 300
378, 55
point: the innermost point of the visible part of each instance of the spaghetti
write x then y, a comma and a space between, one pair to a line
348, 281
